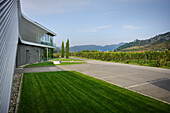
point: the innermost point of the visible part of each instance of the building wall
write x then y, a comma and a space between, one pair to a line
32, 31
29, 31
12, 26
8, 49
28, 54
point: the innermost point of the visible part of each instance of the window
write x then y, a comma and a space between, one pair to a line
47, 39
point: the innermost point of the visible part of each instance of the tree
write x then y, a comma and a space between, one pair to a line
94, 50
85, 51
67, 49
62, 49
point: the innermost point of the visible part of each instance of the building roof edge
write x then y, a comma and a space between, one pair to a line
39, 25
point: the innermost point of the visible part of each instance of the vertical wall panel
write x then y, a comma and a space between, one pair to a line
8, 49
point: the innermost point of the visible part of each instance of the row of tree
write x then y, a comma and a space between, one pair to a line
148, 57
65, 51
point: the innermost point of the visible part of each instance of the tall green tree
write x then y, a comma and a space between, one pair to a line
62, 49
67, 49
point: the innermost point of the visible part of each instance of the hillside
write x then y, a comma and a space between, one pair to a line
95, 47
159, 42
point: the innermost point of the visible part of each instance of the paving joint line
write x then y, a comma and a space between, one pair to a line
119, 75
149, 82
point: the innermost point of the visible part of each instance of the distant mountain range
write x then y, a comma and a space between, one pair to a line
159, 42
95, 47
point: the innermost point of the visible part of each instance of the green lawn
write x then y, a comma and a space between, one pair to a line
51, 64
70, 63
73, 92
65, 59
41, 64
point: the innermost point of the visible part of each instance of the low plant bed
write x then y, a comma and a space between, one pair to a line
70, 91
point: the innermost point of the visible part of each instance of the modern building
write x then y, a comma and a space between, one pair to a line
35, 42
22, 41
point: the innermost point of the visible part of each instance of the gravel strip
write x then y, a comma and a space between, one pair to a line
15, 92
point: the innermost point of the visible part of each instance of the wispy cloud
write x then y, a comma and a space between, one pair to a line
97, 28
130, 27
37, 7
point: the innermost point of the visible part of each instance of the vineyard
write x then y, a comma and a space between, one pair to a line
148, 58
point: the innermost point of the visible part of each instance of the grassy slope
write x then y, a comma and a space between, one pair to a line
56, 92
161, 41
161, 46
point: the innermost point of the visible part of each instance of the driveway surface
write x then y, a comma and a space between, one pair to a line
150, 81
37, 69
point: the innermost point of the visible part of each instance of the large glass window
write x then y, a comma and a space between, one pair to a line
44, 54
47, 39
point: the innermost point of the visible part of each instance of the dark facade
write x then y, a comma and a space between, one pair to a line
27, 55
22, 41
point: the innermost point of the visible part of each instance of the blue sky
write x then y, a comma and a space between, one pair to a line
100, 22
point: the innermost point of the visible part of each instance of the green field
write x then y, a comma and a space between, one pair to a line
73, 92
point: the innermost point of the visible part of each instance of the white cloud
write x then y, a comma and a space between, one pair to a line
130, 27
97, 28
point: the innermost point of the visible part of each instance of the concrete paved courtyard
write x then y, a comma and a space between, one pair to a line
151, 81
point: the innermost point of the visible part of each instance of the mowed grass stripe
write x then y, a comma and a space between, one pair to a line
76, 93
48, 95
91, 94
41, 102
28, 95
68, 99
51, 92
69, 92
90, 101
64, 96
55, 91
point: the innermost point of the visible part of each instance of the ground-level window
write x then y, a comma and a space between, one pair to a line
44, 54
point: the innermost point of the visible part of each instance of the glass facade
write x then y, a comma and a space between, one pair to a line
50, 53
47, 39
44, 55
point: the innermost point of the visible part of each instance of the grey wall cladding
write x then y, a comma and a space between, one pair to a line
28, 54
8, 48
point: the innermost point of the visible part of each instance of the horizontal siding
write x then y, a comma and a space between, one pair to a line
30, 32
8, 48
